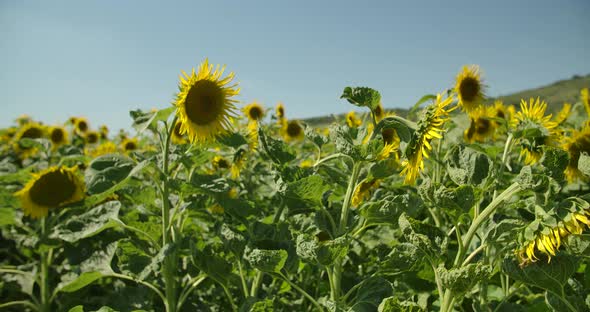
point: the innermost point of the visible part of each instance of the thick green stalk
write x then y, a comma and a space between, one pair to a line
337, 277
169, 267
45, 261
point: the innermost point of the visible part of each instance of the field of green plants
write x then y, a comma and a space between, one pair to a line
214, 205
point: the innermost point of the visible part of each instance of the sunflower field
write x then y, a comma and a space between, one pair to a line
461, 205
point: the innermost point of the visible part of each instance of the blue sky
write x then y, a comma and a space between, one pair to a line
100, 59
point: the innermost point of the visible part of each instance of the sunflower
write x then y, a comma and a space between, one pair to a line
532, 115
392, 141
576, 144
81, 125
205, 103
23, 120
177, 137
469, 88
107, 147
379, 112
482, 126
58, 136
92, 137
292, 131
585, 98
429, 128
363, 190
50, 189
255, 112
28, 131
219, 162
280, 111
352, 121
238, 163
549, 240
104, 132
129, 144
563, 114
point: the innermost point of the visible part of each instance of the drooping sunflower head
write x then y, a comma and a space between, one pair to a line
532, 117
28, 131
430, 127
482, 126
352, 120
58, 136
50, 189
363, 190
254, 111
280, 111
379, 112
92, 137
205, 102
292, 131
129, 144
585, 98
575, 145
81, 125
469, 88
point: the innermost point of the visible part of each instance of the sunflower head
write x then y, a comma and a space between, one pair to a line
254, 111
585, 98
469, 88
129, 144
292, 131
430, 127
104, 132
563, 114
482, 126
575, 145
58, 136
363, 190
238, 163
28, 131
92, 137
205, 102
177, 137
220, 163
280, 111
23, 120
352, 121
81, 125
104, 148
50, 189
532, 117
379, 112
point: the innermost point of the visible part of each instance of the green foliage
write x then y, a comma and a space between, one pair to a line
362, 96
266, 260
467, 166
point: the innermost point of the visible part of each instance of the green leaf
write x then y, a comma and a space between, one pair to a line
88, 224
362, 96
233, 240
403, 257
209, 260
324, 252
156, 262
317, 139
584, 164
307, 191
276, 150
555, 160
251, 305
79, 308
106, 171
392, 304
416, 107
344, 138
463, 279
232, 139
143, 120
21, 176
550, 276
467, 166
428, 238
369, 294
266, 260
8, 203
403, 127
93, 268
389, 209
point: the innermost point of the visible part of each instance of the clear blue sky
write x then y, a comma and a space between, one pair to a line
100, 59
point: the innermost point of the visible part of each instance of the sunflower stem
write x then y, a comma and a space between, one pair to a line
342, 229
45, 259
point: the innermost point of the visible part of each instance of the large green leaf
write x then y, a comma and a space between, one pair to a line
308, 190
428, 238
89, 223
467, 166
277, 150
144, 120
388, 210
321, 252
107, 171
95, 266
550, 276
369, 294
362, 96
461, 280
393, 304
266, 260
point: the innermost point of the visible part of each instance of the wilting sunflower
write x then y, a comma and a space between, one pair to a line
292, 131
352, 121
58, 136
429, 127
549, 240
81, 125
585, 98
563, 114
50, 189
29, 131
469, 88
255, 112
363, 190
379, 112
392, 141
482, 126
238, 163
576, 144
129, 144
205, 102
177, 137
532, 115
92, 137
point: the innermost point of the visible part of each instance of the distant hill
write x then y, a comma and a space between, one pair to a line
554, 94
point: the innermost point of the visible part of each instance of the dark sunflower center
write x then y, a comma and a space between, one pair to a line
57, 135
483, 126
32, 133
52, 189
204, 102
82, 125
92, 138
222, 163
500, 114
293, 129
129, 146
255, 113
469, 88
378, 111
388, 135
280, 112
